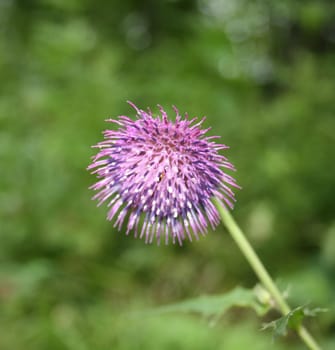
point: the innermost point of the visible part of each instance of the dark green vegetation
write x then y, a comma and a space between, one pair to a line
264, 74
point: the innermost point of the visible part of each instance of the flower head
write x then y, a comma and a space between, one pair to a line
166, 170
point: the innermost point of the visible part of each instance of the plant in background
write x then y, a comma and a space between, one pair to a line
166, 179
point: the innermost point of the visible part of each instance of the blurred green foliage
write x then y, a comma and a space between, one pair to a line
263, 72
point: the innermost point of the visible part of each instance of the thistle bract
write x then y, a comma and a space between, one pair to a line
159, 176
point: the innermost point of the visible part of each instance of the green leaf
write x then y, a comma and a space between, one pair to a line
216, 305
292, 320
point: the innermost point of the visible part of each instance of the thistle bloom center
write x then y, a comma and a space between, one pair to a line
160, 176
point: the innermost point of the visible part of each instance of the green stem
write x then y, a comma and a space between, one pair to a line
261, 272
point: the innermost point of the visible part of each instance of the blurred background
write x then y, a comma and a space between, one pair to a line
264, 75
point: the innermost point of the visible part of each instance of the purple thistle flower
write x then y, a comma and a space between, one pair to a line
166, 170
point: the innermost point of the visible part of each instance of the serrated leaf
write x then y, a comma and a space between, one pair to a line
216, 305
292, 320
314, 312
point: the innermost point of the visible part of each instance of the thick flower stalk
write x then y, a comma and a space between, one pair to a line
166, 170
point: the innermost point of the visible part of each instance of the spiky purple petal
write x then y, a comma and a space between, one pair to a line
166, 170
